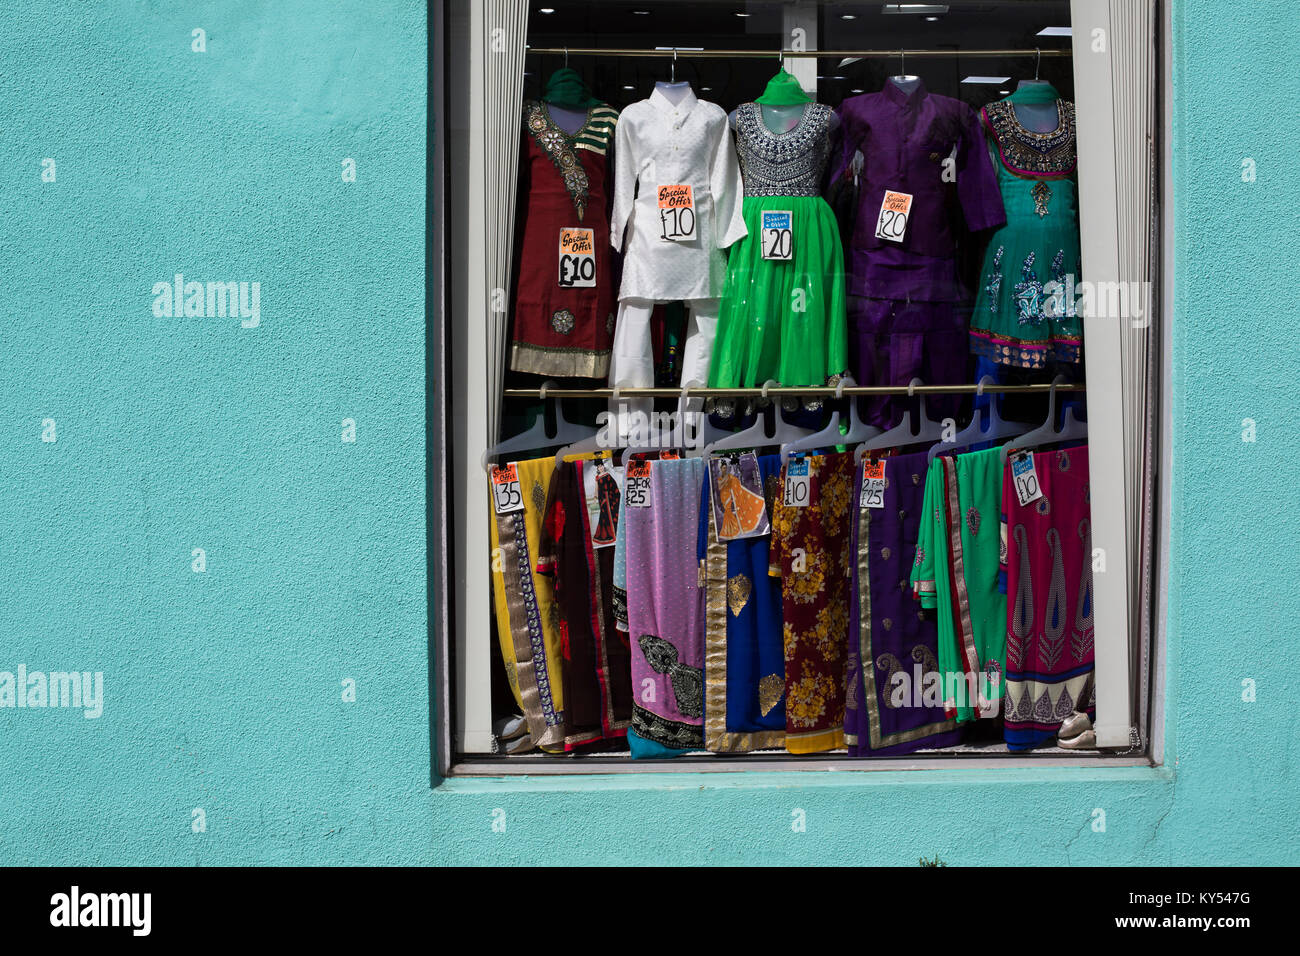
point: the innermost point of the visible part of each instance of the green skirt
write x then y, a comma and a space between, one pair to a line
783, 319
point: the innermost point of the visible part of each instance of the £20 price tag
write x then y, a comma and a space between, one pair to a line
577, 258
505, 490
636, 484
892, 221
1025, 478
676, 212
778, 235
873, 485
798, 483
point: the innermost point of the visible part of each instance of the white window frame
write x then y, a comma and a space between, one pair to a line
462, 650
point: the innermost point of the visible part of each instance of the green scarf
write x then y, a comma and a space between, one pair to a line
783, 90
1034, 93
566, 90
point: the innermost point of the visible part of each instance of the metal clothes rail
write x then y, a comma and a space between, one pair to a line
675, 52
779, 391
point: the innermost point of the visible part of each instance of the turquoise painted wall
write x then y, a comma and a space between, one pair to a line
222, 689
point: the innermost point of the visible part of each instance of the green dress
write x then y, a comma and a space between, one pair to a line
783, 319
1025, 313
956, 573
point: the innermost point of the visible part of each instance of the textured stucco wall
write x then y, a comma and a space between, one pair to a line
222, 689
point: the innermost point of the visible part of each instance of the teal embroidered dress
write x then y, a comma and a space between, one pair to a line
1024, 313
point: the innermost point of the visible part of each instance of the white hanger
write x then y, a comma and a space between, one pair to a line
705, 432
537, 437
757, 435
1047, 433
997, 427
830, 435
907, 432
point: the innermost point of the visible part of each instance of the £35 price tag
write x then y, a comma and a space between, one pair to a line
891, 224
636, 484
1025, 478
778, 235
798, 483
505, 490
577, 258
676, 212
873, 485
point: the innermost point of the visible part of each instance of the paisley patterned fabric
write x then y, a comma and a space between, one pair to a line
1048, 570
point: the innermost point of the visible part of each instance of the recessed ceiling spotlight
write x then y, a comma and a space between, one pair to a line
1004, 92
640, 13
848, 16
855, 91
742, 14
546, 10
931, 19
629, 87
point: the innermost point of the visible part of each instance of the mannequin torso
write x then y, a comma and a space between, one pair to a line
568, 120
1037, 117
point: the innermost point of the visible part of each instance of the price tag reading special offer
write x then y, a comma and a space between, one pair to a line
777, 235
676, 212
798, 483
636, 484
873, 485
577, 258
505, 490
1025, 478
894, 210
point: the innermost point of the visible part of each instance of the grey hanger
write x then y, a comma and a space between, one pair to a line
996, 428
537, 437
830, 435
1047, 433
907, 432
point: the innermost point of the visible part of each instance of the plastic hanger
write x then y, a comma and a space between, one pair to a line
909, 431
601, 440
537, 437
704, 433
757, 435
1047, 433
996, 428
830, 435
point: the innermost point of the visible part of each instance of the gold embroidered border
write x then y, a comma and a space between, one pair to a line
716, 738
952, 502
569, 362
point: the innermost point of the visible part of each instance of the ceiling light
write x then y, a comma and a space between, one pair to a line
629, 87
1004, 92
1055, 32
855, 91
848, 16
742, 14
915, 8
931, 19
640, 13
546, 10
986, 79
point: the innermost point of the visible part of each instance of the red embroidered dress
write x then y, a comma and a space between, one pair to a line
564, 330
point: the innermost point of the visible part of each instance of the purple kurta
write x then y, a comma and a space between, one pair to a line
665, 606
888, 633
905, 140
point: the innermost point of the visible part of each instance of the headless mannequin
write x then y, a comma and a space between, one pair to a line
906, 82
1037, 117
782, 119
674, 92
568, 120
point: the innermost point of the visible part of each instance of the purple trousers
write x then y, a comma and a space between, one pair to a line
892, 341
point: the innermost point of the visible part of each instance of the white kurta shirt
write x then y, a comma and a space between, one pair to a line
660, 143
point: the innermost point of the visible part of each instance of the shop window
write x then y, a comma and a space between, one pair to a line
820, 219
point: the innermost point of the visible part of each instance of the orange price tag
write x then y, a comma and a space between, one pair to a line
892, 221
676, 212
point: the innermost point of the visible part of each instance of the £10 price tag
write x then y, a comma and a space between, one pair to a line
636, 484
798, 483
892, 221
873, 485
1025, 478
777, 236
577, 258
505, 490
676, 212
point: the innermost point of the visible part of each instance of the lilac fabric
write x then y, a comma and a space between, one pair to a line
891, 342
665, 607
888, 632
905, 140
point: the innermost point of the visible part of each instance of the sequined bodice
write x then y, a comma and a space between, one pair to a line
783, 164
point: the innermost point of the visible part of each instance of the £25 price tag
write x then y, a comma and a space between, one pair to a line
778, 234
1025, 478
577, 258
636, 484
891, 224
873, 485
505, 490
798, 483
676, 212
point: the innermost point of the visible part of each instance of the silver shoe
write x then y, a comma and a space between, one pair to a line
1074, 725
1084, 741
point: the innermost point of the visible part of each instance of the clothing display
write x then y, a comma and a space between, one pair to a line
744, 699
665, 608
894, 703
956, 575
1047, 547
783, 319
1025, 312
564, 299
597, 684
768, 592
810, 552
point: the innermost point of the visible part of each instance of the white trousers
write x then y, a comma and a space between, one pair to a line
632, 362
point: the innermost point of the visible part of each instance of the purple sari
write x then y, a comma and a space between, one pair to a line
895, 697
